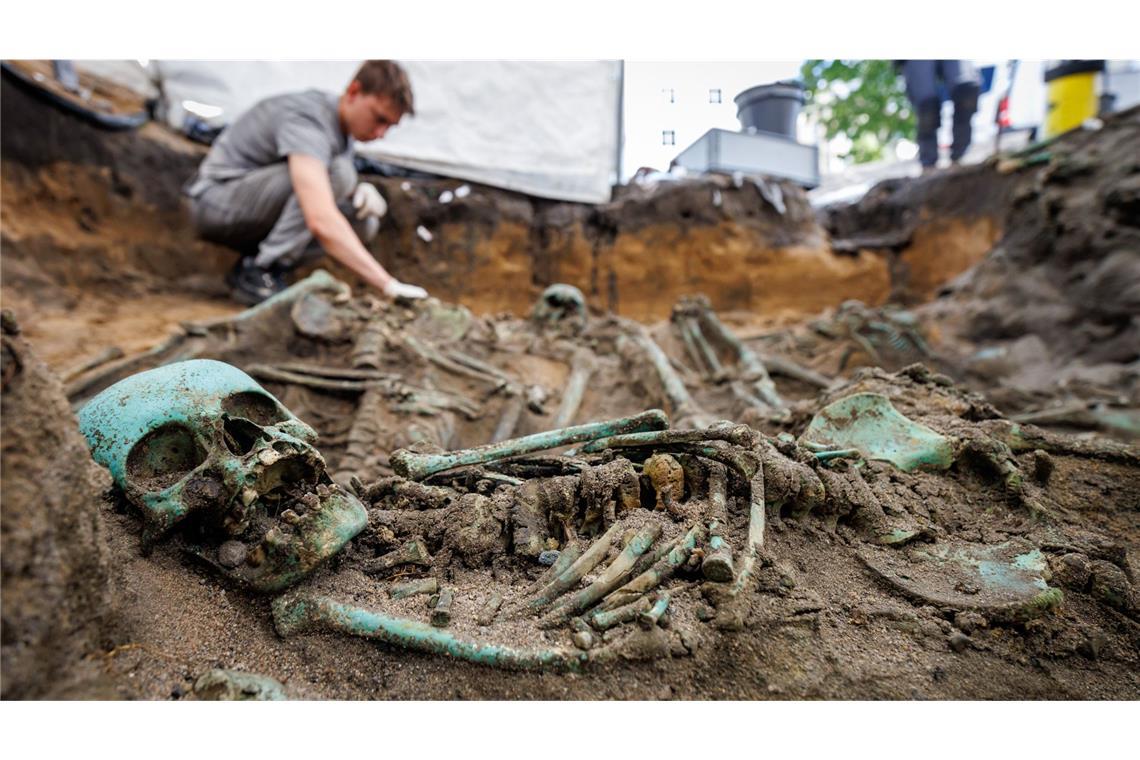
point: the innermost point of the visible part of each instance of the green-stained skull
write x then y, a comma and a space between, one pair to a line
201, 446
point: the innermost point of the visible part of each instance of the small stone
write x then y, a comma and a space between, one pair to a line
548, 557
583, 639
1043, 466
232, 553
1072, 571
930, 629
705, 612
1110, 585
256, 557
958, 641
1094, 643
970, 621
787, 575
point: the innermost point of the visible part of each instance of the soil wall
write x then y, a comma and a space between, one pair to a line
56, 562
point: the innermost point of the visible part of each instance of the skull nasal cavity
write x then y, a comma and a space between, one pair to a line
241, 435
164, 456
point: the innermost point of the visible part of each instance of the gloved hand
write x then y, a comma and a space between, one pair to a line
368, 201
397, 289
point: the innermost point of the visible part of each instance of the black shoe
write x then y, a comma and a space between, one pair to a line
251, 284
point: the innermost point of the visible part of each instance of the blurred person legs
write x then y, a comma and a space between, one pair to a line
963, 82
922, 89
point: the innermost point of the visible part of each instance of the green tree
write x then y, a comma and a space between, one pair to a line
865, 100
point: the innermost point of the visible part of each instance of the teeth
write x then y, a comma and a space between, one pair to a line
248, 496
268, 456
275, 538
290, 517
256, 557
311, 501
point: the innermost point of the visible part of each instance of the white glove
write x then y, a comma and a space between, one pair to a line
397, 289
368, 201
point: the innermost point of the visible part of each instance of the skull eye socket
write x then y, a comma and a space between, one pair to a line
258, 408
164, 456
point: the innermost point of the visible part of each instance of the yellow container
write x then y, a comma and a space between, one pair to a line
1071, 95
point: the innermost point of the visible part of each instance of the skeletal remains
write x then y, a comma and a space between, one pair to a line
641, 524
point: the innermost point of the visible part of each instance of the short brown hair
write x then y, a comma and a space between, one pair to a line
386, 78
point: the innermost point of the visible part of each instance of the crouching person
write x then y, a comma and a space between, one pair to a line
279, 185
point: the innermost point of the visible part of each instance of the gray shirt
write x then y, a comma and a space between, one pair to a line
301, 122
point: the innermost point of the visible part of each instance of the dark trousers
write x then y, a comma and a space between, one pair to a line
259, 215
961, 81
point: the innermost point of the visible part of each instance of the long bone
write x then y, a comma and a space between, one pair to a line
692, 328
603, 619
609, 579
419, 466
490, 610
512, 410
581, 369
413, 588
717, 565
302, 613
691, 348
566, 558
441, 609
411, 553
449, 364
277, 374
738, 435
753, 369
567, 579
342, 373
478, 365
661, 571
425, 401
778, 365
683, 407
652, 616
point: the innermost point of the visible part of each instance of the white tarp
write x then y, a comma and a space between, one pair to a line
546, 128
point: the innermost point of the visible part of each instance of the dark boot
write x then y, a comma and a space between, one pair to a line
251, 284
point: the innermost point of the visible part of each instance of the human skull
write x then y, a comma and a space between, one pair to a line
200, 445
561, 305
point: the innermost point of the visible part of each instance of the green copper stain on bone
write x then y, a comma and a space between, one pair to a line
868, 422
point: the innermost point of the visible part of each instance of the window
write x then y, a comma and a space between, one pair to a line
668, 137
714, 95
668, 94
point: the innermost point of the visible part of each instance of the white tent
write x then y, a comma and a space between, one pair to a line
546, 128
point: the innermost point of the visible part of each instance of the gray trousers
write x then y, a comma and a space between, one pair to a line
259, 214
962, 82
